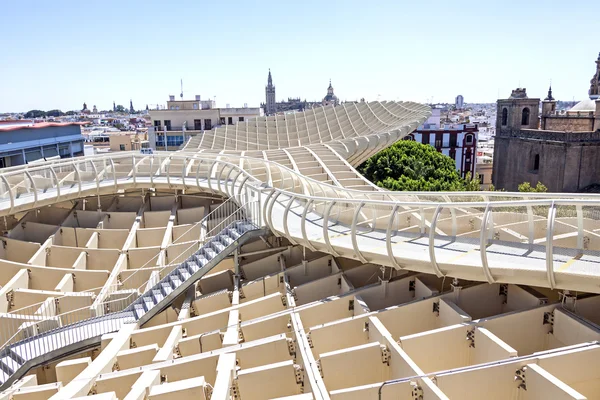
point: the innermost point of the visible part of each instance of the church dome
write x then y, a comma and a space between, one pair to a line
584, 106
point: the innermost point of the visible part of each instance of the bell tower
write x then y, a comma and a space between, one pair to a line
548, 107
270, 107
517, 112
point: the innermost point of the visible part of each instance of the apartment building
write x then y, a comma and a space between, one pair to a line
181, 119
24, 141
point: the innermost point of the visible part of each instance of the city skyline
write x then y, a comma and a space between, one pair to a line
62, 58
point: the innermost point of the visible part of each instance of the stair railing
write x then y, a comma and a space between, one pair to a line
45, 316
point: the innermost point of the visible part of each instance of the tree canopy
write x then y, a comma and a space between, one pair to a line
538, 188
54, 113
35, 114
412, 166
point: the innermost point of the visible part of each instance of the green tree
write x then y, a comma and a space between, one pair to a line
54, 113
120, 108
408, 165
538, 188
35, 114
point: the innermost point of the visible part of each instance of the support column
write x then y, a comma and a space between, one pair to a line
121, 263
225, 373
81, 385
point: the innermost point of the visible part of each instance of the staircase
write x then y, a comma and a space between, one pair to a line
178, 281
18, 358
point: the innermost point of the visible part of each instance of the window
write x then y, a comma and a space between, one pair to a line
525, 116
222, 121
195, 106
438, 140
469, 139
504, 117
409, 137
198, 124
452, 154
452, 140
167, 124
536, 163
207, 124
230, 120
241, 119
425, 138
174, 140
122, 147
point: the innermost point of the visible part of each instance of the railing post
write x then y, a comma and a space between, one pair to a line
388, 238
78, 178
530, 226
184, 171
433, 224
53, 172
10, 195
303, 225
353, 233
97, 177
285, 221
114, 170
483, 240
580, 231
549, 246
133, 168
35, 195
269, 215
168, 167
326, 228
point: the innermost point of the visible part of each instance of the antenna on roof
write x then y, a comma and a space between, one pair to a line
181, 95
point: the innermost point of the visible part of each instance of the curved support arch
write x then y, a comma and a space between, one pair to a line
78, 175
307, 242
483, 241
326, 228
353, 233
388, 238
432, 258
285, 220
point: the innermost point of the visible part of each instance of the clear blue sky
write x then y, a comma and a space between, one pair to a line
58, 54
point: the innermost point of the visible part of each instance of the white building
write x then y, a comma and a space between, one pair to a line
457, 141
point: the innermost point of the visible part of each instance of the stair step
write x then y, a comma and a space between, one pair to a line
166, 288
11, 363
184, 273
175, 281
158, 295
148, 302
210, 253
218, 246
233, 233
192, 266
226, 240
3, 376
139, 310
200, 260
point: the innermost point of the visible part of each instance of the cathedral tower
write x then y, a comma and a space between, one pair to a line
548, 107
270, 107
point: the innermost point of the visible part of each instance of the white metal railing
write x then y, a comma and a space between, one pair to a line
552, 221
47, 315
